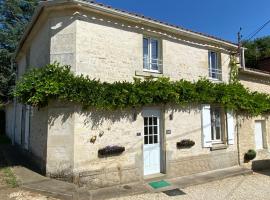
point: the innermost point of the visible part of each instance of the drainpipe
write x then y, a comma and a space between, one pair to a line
238, 143
243, 58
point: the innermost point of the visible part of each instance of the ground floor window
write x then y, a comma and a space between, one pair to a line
217, 125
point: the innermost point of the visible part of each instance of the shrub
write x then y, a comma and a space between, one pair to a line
250, 155
187, 143
40, 85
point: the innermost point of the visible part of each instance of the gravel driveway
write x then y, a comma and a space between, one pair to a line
249, 187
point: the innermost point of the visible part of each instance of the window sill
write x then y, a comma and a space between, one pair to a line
218, 147
215, 80
148, 73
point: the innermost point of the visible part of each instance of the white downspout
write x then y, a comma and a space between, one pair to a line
243, 58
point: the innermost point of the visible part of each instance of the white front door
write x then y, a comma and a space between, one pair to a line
151, 148
258, 135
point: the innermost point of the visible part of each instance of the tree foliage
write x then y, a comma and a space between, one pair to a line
14, 15
256, 50
40, 85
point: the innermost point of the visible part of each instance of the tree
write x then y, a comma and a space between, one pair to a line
14, 16
256, 50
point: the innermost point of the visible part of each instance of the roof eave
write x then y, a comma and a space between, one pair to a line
137, 19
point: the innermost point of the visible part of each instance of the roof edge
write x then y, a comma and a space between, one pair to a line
254, 72
120, 13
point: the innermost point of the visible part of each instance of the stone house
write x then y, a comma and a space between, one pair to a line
113, 45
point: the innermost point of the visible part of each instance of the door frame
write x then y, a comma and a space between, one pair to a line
145, 112
263, 132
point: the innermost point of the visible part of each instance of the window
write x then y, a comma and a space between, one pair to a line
151, 130
214, 65
151, 55
216, 124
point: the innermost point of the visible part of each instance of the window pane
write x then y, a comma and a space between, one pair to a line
146, 121
154, 54
155, 120
213, 65
145, 130
145, 139
150, 121
155, 139
218, 133
150, 139
145, 53
155, 130
213, 60
216, 123
150, 130
154, 50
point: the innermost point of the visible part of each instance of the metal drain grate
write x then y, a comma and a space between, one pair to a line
174, 192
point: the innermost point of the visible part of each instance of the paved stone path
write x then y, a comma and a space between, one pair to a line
248, 187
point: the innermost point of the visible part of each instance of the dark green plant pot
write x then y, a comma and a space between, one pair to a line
250, 155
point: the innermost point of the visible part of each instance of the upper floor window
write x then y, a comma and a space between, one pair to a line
151, 55
214, 65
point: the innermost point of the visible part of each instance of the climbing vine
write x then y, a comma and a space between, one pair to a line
233, 69
40, 85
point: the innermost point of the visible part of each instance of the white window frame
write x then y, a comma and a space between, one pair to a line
217, 70
149, 58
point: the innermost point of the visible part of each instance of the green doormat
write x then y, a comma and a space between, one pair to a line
159, 184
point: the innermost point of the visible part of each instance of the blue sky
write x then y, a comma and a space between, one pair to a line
221, 18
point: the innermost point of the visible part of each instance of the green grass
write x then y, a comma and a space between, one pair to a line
4, 139
9, 177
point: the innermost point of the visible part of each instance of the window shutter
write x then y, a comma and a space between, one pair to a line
206, 126
230, 127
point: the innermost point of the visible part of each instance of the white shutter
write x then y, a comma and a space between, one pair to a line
206, 126
230, 127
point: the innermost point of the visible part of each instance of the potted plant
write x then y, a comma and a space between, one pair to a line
111, 151
186, 143
250, 155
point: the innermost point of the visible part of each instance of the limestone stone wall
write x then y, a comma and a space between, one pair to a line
255, 82
60, 141
111, 50
38, 135
40, 46
247, 124
75, 136
63, 39
186, 124
189, 62
247, 139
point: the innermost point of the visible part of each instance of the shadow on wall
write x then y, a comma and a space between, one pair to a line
94, 118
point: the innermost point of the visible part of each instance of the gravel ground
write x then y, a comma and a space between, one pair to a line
249, 187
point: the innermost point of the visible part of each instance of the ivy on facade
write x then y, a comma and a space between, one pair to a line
40, 85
